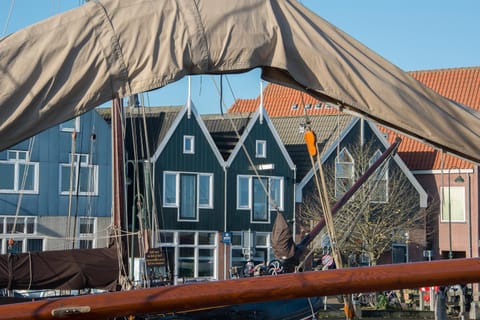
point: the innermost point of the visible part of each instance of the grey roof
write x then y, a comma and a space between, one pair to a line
327, 129
158, 120
226, 130
223, 129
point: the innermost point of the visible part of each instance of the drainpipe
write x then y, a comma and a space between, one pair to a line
469, 217
294, 227
225, 222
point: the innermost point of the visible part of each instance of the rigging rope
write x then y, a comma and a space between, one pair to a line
244, 148
8, 18
70, 190
31, 143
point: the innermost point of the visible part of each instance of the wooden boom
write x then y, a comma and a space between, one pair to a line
191, 297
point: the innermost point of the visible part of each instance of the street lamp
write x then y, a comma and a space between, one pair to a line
458, 179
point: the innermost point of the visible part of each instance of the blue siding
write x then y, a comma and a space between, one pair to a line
53, 147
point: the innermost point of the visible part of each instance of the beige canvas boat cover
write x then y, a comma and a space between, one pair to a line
73, 62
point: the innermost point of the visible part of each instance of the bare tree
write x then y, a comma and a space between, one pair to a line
380, 212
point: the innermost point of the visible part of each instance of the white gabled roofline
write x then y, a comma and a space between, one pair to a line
396, 158
189, 107
261, 112
403, 166
324, 157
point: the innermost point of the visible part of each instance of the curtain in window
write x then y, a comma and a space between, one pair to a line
260, 199
188, 197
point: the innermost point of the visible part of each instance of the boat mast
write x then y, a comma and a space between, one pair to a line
118, 186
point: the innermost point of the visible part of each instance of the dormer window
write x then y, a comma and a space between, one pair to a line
308, 106
318, 106
189, 144
294, 106
261, 149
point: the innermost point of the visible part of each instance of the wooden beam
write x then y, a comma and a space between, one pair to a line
191, 297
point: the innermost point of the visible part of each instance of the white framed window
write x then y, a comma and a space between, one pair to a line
453, 201
276, 193
243, 192
260, 149
260, 195
79, 176
86, 230
23, 230
379, 180
205, 191
194, 254
26, 225
18, 173
22, 245
344, 172
72, 125
189, 144
187, 192
170, 183
261, 253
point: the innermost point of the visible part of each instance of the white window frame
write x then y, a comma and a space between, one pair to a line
18, 158
67, 127
380, 176
248, 179
81, 160
196, 247
171, 204
351, 163
17, 236
19, 220
87, 236
176, 202
191, 149
457, 205
260, 149
238, 260
209, 205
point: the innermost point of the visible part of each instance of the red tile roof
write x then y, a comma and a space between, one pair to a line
459, 84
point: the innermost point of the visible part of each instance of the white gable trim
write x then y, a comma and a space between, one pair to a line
190, 108
266, 119
169, 134
402, 166
323, 158
396, 158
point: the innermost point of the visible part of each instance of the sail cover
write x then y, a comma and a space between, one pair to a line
282, 238
70, 269
66, 65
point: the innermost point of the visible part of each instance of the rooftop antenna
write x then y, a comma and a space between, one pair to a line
189, 101
261, 101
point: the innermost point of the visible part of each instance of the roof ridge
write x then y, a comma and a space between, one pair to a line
445, 69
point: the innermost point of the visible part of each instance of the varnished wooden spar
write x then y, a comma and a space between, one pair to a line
220, 293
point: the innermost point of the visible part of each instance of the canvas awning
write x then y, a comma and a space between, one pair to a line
73, 62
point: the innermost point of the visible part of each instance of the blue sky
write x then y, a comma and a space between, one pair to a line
412, 34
